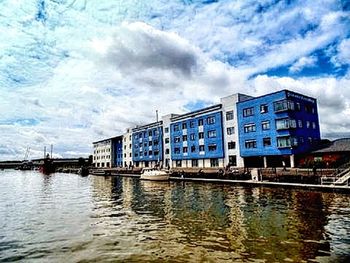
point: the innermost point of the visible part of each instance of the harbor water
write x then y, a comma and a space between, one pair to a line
69, 218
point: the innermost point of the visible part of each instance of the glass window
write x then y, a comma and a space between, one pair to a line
177, 150
166, 140
193, 149
229, 115
184, 125
192, 137
166, 151
211, 120
150, 153
195, 163
250, 144
178, 163
149, 133
231, 145
200, 122
212, 134
300, 123
155, 142
166, 130
313, 125
191, 124
230, 130
283, 105
212, 147
248, 112
307, 124
176, 127
176, 139
249, 128
184, 149
184, 138
266, 142
214, 162
201, 135
285, 124
265, 125
201, 148
264, 108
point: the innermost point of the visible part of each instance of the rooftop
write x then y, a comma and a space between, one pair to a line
339, 145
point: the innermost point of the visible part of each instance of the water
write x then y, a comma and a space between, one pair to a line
68, 218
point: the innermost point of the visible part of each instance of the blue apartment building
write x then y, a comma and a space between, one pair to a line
276, 128
117, 151
196, 138
147, 145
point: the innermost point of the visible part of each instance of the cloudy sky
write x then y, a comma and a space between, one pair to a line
77, 71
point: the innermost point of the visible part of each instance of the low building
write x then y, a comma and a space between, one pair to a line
329, 155
102, 156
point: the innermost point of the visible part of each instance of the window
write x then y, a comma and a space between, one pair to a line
149, 153
248, 112
265, 125
184, 138
176, 139
297, 105
249, 128
231, 145
211, 120
150, 133
264, 108
309, 109
145, 153
266, 142
250, 144
176, 127
286, 141
177, 150
193, 149
192, 137
184, 126
212, 134
201, 135
282, 124
191, 124
212, 147
313, 125
194, 163
155, 132
200, 122
184, 149
155, 143
166, 130
166, 151
300, 123
214, 162
166, 140
201, 148
230, 130
229, 115
283, 105
149, 143
301, 140
178, 163
307, 124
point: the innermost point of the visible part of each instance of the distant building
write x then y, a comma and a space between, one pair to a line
102, 156
277, 127
108, 152
127, 148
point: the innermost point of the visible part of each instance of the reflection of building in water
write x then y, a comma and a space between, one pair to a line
236, 231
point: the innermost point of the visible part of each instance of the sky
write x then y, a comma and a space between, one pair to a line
77, 71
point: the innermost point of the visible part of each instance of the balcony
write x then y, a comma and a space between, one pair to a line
283, 105
285, 124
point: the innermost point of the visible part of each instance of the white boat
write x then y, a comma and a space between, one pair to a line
154, 174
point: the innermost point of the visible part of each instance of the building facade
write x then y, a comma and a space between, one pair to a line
196, 138
102, 156
127, 148
276, 127
267, 131
147, 145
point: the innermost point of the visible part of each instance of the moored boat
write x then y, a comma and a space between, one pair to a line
154, 174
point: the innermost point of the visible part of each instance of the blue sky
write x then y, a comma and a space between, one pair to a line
76, 71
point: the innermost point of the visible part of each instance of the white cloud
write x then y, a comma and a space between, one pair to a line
304, 62
84, 75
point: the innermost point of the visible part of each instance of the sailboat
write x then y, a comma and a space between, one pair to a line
156, 173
